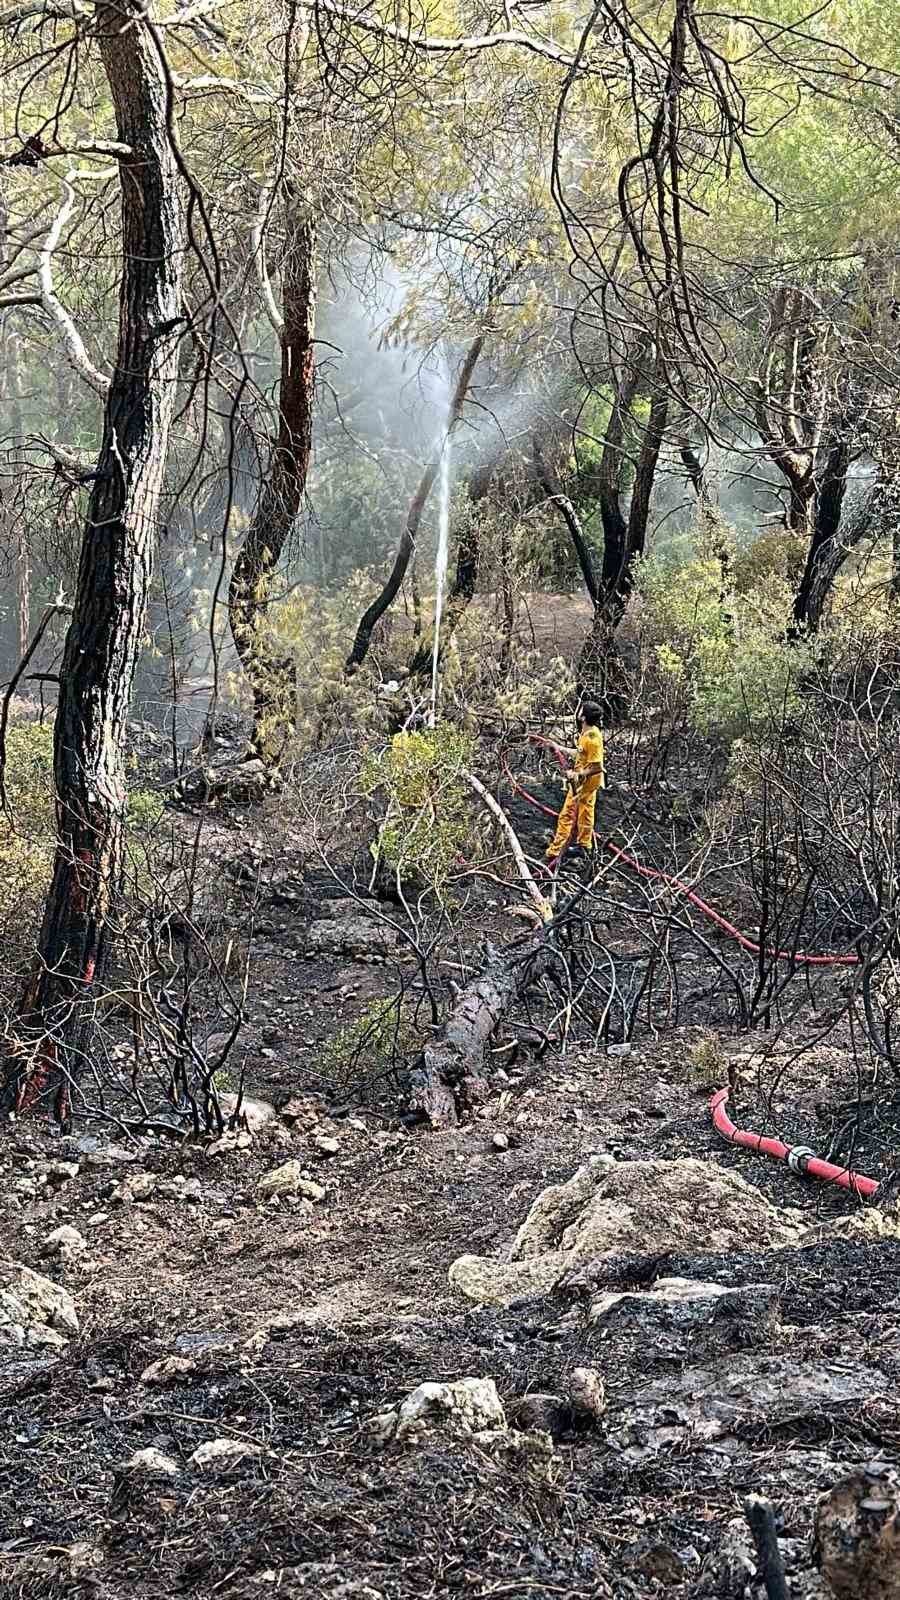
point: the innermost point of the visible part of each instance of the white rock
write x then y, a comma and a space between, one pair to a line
180, 1188
469, 1405
108, 1155
151, 1461
218, 1456
65, 1242
253, 1114
325, 1144
500, 1141
34, 1311
169, 1369
137, 1186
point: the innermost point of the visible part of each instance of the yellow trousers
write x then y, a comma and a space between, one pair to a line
576, 815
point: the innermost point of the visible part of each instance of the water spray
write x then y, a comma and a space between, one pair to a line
440, 567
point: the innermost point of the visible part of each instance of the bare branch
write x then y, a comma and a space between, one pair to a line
467, 44
73, 343
258, 240
545, 910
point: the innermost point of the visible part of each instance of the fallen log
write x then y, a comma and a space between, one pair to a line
450, 1075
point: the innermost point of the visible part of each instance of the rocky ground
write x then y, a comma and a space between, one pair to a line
548, 1353
205, 1393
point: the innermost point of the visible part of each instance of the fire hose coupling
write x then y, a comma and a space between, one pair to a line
799, 1157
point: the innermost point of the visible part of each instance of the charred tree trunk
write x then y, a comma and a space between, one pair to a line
827, 551
271, 673
554, 491
789, 399
827, 558
600, 672
610, 483
407, 545
104, 635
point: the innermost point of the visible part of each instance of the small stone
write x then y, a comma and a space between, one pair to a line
469, 1405
65, 1242
59, 1172
250, 1114
180, 1188
170, 1369
151, 1462
298, 1108
587, 1393
326, 1145
500, 1141
137, 1186
109, 1155
218, 1457
289, 1179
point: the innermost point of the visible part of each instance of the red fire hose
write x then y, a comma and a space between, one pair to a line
798, 1157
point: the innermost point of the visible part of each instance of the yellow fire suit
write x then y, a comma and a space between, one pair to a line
578, 811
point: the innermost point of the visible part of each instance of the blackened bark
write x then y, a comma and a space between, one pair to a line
270, 672
639, 509
826, 552
407, 545
103, 640
827, 559
554, 491
609, 484
624, 538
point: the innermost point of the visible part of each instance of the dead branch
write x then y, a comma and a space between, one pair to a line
73, 344
545, 910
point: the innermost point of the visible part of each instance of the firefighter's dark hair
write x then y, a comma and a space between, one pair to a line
591, 713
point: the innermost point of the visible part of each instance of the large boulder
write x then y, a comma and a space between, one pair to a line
34, 1311
635, 1207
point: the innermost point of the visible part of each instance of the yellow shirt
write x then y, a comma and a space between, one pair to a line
590, 752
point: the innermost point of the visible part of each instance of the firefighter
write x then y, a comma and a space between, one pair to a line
584, 779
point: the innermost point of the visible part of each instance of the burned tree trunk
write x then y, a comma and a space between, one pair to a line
827, 557
554, 491
451, 1075
791, 404
104, 635
270, 673
388, 595
827, 552
624, 537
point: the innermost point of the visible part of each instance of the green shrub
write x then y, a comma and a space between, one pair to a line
707, 1062
428, 822
28, 833
380, 1038
725, 654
